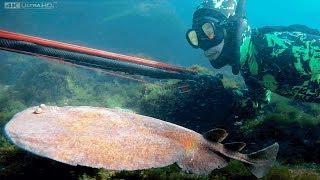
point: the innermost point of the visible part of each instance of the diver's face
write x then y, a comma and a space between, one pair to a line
214, 52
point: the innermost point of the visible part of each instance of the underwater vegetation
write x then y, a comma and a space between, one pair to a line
294, 125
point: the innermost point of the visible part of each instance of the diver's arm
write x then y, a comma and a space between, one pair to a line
208, 92
203, 102
246, 104
248, 101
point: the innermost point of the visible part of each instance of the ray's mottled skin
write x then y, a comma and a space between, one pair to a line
116, 140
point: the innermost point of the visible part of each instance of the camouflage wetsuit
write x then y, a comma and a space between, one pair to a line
283, 60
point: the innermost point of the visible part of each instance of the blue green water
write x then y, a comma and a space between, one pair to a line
156, 28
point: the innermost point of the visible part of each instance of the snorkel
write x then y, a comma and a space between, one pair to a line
238, 21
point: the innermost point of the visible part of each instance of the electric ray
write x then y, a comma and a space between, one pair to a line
116, 140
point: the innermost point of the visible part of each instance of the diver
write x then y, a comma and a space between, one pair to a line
282, 60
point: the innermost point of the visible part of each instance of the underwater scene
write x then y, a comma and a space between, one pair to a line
160, 89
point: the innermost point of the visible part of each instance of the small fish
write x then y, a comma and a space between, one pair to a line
117, 140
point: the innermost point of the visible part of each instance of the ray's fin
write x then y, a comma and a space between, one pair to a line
262, 160
215, 135
201, 161
235, 146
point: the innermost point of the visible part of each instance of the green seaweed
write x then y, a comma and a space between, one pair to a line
169, 172
301, 172
285, 111
233, 169
201, 69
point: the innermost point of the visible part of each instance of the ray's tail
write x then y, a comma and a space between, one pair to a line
262, 160
258, 163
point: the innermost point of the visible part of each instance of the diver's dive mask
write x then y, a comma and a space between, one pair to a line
207, 29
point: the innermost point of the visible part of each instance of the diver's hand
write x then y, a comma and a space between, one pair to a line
205, 96
198, 104
206, 81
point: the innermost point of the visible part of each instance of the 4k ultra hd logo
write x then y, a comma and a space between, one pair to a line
29, 5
